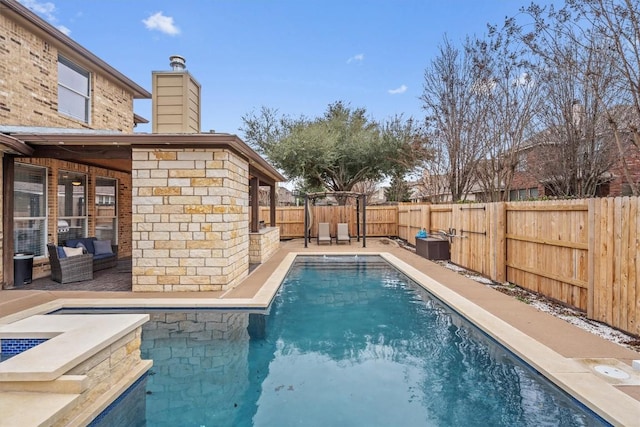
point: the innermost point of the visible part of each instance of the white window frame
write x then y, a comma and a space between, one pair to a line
73, 220
42, 219
100, 199
74, 92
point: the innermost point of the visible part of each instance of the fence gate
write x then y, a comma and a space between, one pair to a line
470, 244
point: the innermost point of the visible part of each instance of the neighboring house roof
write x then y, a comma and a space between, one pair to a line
53, 35
139, 119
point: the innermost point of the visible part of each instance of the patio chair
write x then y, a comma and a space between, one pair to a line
343, 233
70, 269
324, 235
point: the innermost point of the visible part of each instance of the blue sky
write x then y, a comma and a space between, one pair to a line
297, 56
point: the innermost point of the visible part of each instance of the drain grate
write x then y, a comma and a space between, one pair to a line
611, 372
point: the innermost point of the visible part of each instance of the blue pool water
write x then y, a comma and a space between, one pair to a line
345, 344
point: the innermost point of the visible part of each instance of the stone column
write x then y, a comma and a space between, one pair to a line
190, 219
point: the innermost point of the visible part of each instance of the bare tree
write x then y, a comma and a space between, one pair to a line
512, 99
454, 117
368, 188
432, 183
616, 24
577, 79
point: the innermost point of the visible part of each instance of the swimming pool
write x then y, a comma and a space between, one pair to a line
346, 342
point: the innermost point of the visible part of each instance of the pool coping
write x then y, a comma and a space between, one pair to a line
574, 375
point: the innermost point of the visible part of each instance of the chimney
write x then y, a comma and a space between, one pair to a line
177, 63
577, 113
175, 99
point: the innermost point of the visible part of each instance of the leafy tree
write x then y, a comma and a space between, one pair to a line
339, 149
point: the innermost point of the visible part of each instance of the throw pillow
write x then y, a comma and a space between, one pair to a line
72, 251
61, 253
102, 247
84, 248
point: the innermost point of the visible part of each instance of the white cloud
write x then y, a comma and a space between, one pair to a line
64, 29
397, 91
45, 9
161, 23
356, 58
524, 80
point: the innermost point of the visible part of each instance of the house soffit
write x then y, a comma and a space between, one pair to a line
10, 145
107, 146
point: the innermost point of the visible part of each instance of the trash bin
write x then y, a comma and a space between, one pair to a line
22, 268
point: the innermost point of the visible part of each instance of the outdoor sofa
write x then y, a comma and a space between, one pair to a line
67, 269
105, 255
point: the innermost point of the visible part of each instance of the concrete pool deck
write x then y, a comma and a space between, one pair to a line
564, 352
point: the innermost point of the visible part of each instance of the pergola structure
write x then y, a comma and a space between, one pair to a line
361, 198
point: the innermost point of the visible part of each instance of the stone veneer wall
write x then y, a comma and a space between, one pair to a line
263, 244
190, 219
104, 371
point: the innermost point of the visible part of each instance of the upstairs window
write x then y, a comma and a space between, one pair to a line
522, 165
73, 90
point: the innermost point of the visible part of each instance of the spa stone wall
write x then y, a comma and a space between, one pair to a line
263, 244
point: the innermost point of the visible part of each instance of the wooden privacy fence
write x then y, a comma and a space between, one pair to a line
382, 221
580, 252
614, 247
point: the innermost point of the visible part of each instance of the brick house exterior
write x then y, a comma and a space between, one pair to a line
526, 183
528, 176
30, 50
30, 96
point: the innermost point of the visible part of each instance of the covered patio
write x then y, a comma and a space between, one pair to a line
185, 202
115, 279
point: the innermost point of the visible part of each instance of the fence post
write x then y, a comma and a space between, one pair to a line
591, 256
426, 218
499, 218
